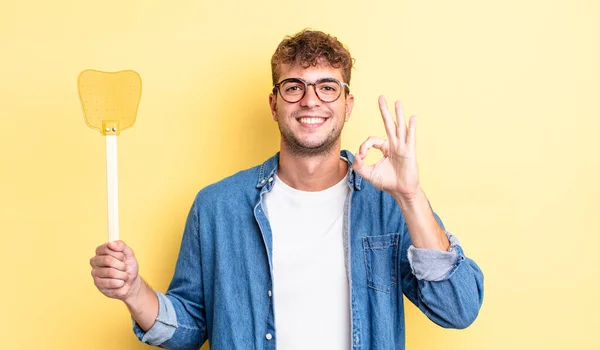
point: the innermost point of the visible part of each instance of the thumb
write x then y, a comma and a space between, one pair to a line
116, 246
128, 252
120, 246
359, 166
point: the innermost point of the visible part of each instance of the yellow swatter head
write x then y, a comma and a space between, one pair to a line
110, 100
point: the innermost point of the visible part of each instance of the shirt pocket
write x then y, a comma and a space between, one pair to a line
381, 261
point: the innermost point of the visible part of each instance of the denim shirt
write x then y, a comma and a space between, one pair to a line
222, 287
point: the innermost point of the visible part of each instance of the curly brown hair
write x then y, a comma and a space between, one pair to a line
311, 48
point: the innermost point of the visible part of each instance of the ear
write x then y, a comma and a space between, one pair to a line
273, 105
349, 106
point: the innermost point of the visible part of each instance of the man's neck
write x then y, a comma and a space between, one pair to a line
311, 173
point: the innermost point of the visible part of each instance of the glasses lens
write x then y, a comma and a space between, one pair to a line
328, 90
292, 90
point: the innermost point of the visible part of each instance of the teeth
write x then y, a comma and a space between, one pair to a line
311, 120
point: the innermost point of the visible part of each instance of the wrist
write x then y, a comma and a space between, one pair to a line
408, 201
143, 304
132, 300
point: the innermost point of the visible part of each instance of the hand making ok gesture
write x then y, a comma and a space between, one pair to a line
395, 173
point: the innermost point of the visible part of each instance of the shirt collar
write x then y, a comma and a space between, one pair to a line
266, 173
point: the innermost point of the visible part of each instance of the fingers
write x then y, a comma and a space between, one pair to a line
115, 249
360, 168
117, 246
401, 124
412, 131
99, 261
108, 283
411, 140
106, 277
109, 269
121, 247
109, 273
128, 252
367, 172
388, 121
397, 131
374, 142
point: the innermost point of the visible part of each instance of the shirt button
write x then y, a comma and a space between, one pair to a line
269, 336
270, 294
270, 179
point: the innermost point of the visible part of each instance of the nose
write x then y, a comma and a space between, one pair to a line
310, 98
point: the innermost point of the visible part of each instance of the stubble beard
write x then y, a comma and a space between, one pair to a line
304, 149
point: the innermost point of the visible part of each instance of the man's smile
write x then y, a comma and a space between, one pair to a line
310, 121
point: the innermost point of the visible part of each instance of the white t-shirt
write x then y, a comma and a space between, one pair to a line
310, 284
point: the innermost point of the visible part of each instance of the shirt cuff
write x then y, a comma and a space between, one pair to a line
435, 265
164, 326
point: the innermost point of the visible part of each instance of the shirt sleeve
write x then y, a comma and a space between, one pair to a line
446, 286
432, 264
163, 328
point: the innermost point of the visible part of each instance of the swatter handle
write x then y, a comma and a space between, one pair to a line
113, 187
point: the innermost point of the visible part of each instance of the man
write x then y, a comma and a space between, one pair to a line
311, 249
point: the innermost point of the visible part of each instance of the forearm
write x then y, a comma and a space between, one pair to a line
423, 228
143, 305
453, 302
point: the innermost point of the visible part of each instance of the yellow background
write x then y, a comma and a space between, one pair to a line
507, 97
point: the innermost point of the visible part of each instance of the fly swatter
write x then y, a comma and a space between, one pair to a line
110, 102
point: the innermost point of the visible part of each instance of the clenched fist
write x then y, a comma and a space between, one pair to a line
115, 271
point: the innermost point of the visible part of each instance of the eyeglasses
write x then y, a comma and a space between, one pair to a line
293, 90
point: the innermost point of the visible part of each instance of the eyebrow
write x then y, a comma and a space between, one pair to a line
320, 79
